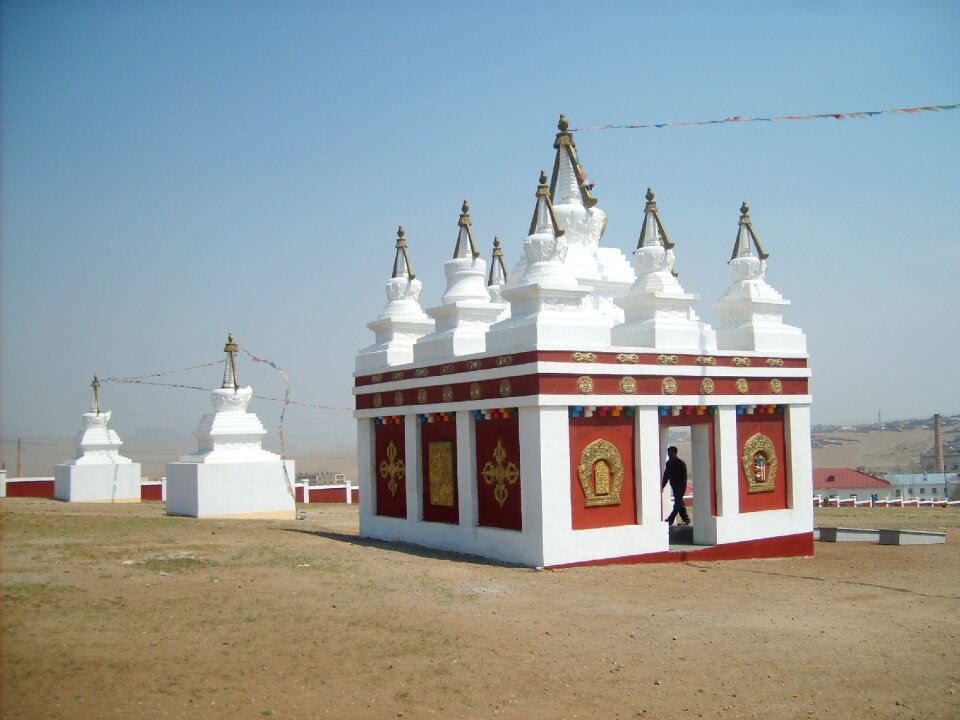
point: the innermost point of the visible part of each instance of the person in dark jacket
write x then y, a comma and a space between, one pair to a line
675, 473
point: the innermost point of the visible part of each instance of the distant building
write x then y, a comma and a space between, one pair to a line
922, 486
845, 483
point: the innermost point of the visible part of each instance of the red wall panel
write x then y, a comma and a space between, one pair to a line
618, 431
772, 427
491, 434
390, 504
439, 432
30, 488
151, 492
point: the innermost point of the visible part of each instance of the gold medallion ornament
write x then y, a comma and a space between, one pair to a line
447, 369
505, 388
505, 360
628, 358
669, 386
584, 357
392, 470
421, 396
475, 393
474, 365
774, 362
377, 400
668, 359
600, 472
776, 386
706, 360
628, 385
585, 384
447, 393
706, 386
500, 474
742, 386
440, 471
421, 372
377, 378
398, 376
759, 462
741, 361
398, 398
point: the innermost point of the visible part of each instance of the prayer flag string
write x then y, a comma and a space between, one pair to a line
738, 118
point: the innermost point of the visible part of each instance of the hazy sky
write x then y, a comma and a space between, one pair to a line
172, 171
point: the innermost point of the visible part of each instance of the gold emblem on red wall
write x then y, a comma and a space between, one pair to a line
421, 396
447, 393
392, 470
440, 473
669, 386
628, 385
585, 384
500, 473
759, 462
776, 386
742, 386
600, 473
505, 388
707, 386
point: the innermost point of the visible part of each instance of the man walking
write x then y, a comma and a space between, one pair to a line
675, 473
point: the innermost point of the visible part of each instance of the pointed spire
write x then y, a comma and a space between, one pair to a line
96, 395
230, 369
401, 262
747, 239
498, 270
544, 219
567, 161
652, 231
466, 247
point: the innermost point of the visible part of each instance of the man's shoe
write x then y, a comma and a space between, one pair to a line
684, 522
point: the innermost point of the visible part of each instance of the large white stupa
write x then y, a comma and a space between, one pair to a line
231, 475
98, 472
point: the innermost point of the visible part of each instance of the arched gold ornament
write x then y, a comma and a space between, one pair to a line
742, 386
585, 384
776, 386
421, 396
707, 386
760, 464
669, 386
600, 472
447, 393
628, 385
475, 392
505, 388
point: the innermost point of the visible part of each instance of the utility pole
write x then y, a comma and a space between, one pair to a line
19, 458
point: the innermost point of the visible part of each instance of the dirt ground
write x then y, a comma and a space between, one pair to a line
122, 612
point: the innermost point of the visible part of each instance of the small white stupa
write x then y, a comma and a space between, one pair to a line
230, 475
98, 472
402, 322
466, 309
658, 313
751, 311
546, 303
604, 271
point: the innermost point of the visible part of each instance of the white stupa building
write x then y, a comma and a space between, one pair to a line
98, 472
527, 421
230, 475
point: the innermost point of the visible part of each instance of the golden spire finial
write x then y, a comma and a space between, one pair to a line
563, 124
649, 195
564, 144
744, 209
400, 241
230, 370
401, 261
96, 394
746, 227
464, 224
543, 178
465, 208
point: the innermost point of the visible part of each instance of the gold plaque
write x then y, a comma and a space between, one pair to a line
706, 386
759, 463
440, 475
669, 386
504, 360
421, 372
398, 398
499, 474
447, 393
628, 385
668, 359
628, 358
600, 473
377, 400
398, 376
475, 393
585, 384
421, 396
774, 362
377, 378
392, 470
505, 388
474, 365
584, 357
741, 361
776, 386
447, 369
742, 386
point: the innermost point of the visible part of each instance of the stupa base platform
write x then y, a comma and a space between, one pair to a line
230, 490
97, 483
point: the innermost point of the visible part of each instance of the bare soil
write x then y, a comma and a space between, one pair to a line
122, 612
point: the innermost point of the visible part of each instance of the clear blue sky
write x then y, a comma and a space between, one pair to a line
172, 171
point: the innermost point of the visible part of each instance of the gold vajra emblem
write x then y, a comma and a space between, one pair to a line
703, 360
398, 376
668, 359
447, 369
421, 396
600, 473
441, 473
628, 385
759, 462
447, 393
669, 386
392, 470
742, 386
706, 386
475, 393
421, 372
505, 388
585, 384
776, 387
584, 357
474, 365
741, 361
504, 360
499, 474
628, 358
774, 362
